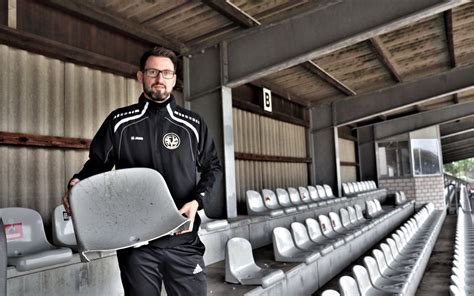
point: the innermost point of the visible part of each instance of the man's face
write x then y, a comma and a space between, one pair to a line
158, 88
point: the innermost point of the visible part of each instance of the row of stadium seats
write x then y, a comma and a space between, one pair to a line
329, 242
463, 263
306, 243
397, 266
27, 245
353, 188
289, 201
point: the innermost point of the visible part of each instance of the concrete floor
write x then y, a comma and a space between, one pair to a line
436, 278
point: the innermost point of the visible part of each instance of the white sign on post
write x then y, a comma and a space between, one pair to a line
267, 100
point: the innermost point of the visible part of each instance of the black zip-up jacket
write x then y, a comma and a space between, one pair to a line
164, 137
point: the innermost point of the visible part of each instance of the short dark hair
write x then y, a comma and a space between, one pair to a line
159, 52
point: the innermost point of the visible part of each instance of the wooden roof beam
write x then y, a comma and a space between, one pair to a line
384, 56
92, 13
321, 73
448, 26
232, 12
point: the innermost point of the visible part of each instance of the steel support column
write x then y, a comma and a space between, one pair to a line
204, 76
367, 154
324, 148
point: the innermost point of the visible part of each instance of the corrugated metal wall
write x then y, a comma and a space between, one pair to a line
261, 135
45, 96
347, 152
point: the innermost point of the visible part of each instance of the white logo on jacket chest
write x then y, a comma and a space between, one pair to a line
171, 141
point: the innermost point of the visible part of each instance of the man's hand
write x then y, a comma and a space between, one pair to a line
66, 195
189, 210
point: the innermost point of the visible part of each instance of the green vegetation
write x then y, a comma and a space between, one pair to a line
462, 169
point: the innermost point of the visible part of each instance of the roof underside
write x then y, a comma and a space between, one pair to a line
427, 47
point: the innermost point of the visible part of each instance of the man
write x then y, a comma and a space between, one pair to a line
156, 133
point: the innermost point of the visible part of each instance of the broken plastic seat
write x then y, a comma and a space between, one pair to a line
240, 266
123, 208
27, 245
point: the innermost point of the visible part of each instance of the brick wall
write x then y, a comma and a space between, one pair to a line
430, 189
422, 189
406, 185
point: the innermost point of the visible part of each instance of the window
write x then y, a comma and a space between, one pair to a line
425, 156
394, 159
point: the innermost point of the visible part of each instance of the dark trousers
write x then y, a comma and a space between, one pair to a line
181, 269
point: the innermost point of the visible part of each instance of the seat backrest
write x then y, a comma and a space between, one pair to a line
313, 193
328, 190
387, 252
362, 277
255, 204
325, 224
348, 286
352, 214
238, 253
283, 197
63, 229
372, 268
351, 188
345, 189
321, 192
398, 198
330, 292
24, 231
371, 208
270, 199
356, 187
314, 230
336, 221
374, 186
345, 220
380, 258
282, 239
294, 196
378, 206
359, 213
300, 233
304, 194
393, 247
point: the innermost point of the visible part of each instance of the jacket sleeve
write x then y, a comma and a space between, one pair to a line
101, 152
209, 166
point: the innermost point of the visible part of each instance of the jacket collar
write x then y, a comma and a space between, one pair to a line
157, 106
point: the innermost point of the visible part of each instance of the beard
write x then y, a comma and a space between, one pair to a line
157, 95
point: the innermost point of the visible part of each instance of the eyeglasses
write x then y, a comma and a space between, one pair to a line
153, 73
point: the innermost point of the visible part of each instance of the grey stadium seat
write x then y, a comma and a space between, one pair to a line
295, 199
133, 198
255, 204
271, 202
240, 266
63, 229
348, 286
285, 250
284, 200
27, 245
306, 197
303, 241
316, 235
